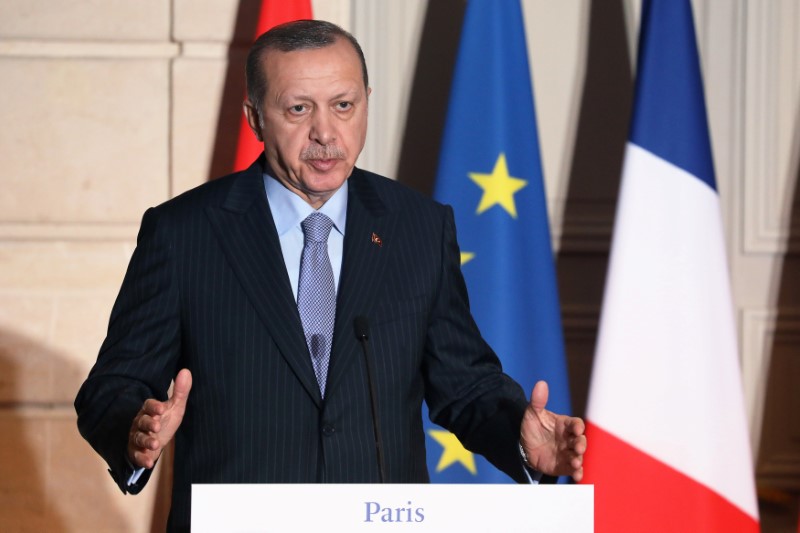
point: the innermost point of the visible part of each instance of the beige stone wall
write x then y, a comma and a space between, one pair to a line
84, 148
104, 104
107, 107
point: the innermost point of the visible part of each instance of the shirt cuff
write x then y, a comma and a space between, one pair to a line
534, 476
136, 473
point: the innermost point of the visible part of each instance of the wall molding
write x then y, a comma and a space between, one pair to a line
772, 147
761, 330
88, 49
68, 231
391, 72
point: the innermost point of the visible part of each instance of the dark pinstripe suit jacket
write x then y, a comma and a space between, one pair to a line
207, 289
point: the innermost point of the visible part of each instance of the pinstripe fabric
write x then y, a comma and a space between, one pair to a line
207, 289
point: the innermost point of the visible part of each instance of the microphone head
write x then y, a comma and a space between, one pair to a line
361, 326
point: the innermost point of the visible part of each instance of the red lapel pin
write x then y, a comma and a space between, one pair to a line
376, 240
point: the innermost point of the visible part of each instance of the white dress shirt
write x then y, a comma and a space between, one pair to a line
289, 211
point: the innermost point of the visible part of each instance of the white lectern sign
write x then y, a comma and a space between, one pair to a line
406, 508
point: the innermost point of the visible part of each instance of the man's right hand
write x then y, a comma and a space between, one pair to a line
156, 423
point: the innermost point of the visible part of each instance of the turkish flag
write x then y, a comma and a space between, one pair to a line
272, 13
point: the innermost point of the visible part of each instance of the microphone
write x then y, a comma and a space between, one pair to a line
361, 326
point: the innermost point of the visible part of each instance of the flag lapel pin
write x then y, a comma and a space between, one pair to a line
376, 239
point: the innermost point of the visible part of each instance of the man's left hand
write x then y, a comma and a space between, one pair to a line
554, 444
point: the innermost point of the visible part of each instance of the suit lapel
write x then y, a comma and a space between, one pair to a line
363, 263
247, 234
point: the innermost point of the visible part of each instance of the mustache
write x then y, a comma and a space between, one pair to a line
329, 151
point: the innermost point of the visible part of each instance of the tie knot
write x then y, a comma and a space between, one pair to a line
316, 227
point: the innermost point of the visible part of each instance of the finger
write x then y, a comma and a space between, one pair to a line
148, 424
576, 462
152, 443
580, 445
576, 443
180, 392
539, 396
144, 459
576, 425
145, 441
573, 426
578, 475
153, 407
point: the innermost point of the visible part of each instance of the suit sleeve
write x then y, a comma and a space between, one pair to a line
466, 389
139, 356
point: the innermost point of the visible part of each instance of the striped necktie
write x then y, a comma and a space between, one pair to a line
316, 294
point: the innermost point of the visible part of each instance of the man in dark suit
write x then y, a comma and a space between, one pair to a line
224, 295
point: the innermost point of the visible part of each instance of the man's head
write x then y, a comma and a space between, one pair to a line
307, 101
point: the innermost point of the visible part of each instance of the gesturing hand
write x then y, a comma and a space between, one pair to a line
156, 423
553, 443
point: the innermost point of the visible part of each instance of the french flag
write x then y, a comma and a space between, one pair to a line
666, 425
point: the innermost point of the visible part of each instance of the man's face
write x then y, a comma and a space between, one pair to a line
314, 120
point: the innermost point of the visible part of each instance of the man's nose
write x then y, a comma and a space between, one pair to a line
323, 128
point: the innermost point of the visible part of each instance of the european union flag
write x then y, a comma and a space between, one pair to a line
490, 172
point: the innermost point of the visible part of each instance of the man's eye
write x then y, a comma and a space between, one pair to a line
344, 106
297, 109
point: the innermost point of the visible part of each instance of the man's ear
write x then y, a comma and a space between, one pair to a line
253, 119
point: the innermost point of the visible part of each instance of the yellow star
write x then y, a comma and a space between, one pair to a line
466, 257
498, 187
453, 451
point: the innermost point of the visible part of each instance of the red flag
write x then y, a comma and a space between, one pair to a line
272, 13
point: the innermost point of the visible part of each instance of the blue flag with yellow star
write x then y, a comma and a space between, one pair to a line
490, 172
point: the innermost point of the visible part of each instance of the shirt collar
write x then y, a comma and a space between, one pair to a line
289, 210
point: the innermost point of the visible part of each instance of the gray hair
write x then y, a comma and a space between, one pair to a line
289, 37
